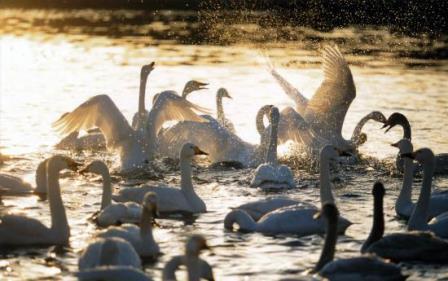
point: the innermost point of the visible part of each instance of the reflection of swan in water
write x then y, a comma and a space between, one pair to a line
135, 147
358, 268
197, 268
414, 246
20, 230
172, 199
293, 219
112, 213
270, 174
404, 206
401, 120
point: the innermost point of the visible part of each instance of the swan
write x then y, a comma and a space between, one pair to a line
170, 199
135, 148
358, 138
271, 174
397, 118
292, 219
112, 273
141, 237
419, 217
358, 268
438, 202
17, 230
414, 246
12, 185
111, 213
109, 251
325, 111
221, 118
197, 268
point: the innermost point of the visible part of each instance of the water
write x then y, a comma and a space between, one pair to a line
51, 61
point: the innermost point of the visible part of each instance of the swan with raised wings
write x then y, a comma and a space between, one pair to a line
17, 230
293, 219
112, 213
136, 148
170, 199
438, 202
140, 237
197, 268
358, 268
270, 174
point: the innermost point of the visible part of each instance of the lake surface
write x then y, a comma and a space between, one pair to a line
51, 61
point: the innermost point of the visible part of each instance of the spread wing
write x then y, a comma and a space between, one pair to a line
327, 109
99, 111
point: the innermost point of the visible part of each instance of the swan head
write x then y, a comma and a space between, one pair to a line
378, 116
222, 92
329, 211
60, 162
404, 145
189, 150
378, 190
146, 69
395, 119
150, 203
195, 244
330, 152
96, 167
192, 86
422, 155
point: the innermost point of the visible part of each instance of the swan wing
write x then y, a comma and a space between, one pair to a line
99, 111
327, 109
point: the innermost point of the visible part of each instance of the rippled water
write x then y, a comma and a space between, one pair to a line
46, 71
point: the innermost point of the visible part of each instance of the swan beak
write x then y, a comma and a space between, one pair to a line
408, 155
202, 86
197, 151
395, 144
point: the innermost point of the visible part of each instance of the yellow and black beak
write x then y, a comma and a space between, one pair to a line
197, 151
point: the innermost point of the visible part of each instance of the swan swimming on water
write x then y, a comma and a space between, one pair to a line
197, 268
17, 230
170, 199
112, 213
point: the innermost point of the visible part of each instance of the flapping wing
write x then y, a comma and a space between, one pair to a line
99, 111
329, 105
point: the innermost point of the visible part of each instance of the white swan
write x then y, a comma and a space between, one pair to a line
140, 237
358, 268
293, 219
220, 116
325, 111
414, 246
419, 217
404, 206
197, 268
397, 118
271, 174
109, 251
112, 213
172, 199
20, 230
135, 147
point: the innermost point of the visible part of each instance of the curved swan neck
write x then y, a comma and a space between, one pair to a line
377, 231
406, 129
405, 196
271, 153
329, 248
219, 109
106, 198
326, 196
146, 226
242, 219
419, 218
259, 119
59, 221
186, 183
169, 271
142, 93
357, 131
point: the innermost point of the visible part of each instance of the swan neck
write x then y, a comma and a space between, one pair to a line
185, 175
59, 221
326, 196
357, 131
41, 178
259, 119
419, 218
407, 130
271, 154
142, 93
219, 109
193, 267
329, 248
405, 196
169, 271
244, 221
106, 198
146, 226
377, 231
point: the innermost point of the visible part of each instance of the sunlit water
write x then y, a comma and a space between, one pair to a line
44, 74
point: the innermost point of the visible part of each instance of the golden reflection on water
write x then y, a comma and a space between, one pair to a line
43, 76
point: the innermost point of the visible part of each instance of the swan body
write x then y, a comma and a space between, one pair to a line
112, 273
259, 208
12, 185
110, 251
16, 230
358, 268
140, 237
438, 202
112, 213
170, 199
271, 173
197, 268
135, 148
